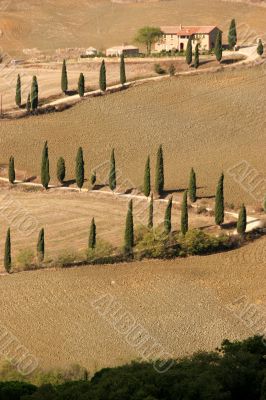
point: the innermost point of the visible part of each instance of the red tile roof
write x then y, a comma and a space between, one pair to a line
186, 30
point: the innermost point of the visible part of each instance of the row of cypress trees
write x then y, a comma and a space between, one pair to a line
159, 178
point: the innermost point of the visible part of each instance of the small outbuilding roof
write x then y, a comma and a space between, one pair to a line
187, 30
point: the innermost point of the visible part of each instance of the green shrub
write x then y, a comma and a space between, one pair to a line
26, 260
199, 242
69, 256
155, 244
102, 249
159, 70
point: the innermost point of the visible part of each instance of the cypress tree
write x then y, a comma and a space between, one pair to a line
189, 51
45, 174
34, 94
81, 85
11, 170
112, 173
41, 246
196, 57
218, 50
129, 230
93, 178
18, 91
260, 48
192, 190
123, 78
232, 35
64, 79
28, 104
242, 220
159, 172
92, 237
147, 178
219, 201
80, 168
150, 219
7, 259
168, 217
61, 170
184, 214
102, 80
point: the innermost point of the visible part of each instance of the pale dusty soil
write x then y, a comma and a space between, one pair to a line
205, 121
185, 305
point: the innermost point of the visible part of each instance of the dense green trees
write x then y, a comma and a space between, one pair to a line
112, 173
129, 230
41, 246
184, 214
150, 217
219, 201
147, 178
7, 258
34, 94
260, 48
232, 35
92, 236
45, 171
64, 78
61, 170
196, 57
123, 78
189, 51
159, 172
18, 92
11, 170
147, 36
28, 103
102, 79
218, 50
79, 168
242, 220
192, 189
168, 217
81, 85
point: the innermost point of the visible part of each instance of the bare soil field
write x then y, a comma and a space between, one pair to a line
184, 305
66, 218
104, 23
205, 121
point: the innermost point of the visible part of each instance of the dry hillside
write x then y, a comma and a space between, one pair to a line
102, 23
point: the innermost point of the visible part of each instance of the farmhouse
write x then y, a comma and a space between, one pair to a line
176, 37
117, 51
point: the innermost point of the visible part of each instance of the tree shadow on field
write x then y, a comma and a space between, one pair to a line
30, 179
211, 196
180, 190
69, 182
99, 186
229, 225
71, 92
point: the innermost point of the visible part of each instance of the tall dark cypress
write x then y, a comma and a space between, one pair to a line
189, 51
129, 230
102, 80
45, 171
112, 173
18, 91
64, 79
219, 201
92, 237
159, 172
218, 50
61, 170
147, 178
232, 35
192, 190
34, 94
168, 217
81, 85
7, 258
184, 215
123, 78
242, 220
41, 246
80, 168
196, 57
260, 48
150, 218
11, 170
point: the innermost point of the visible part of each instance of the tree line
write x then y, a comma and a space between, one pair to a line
129, 242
